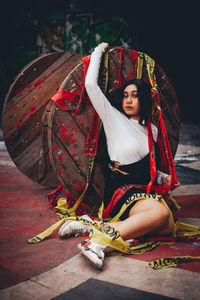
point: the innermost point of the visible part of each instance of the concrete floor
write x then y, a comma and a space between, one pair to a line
54, 268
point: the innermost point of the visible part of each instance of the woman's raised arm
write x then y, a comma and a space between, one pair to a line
98, 99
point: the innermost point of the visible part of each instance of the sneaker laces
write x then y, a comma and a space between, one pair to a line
78, 228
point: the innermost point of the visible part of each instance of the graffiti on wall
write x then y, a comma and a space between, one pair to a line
56, 30
51, 33
80, 33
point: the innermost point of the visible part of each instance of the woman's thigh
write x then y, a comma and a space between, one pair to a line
148, 204
160, 211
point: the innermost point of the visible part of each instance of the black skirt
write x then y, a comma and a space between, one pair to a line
139, 173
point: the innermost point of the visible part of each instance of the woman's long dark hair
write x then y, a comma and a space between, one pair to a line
144, 95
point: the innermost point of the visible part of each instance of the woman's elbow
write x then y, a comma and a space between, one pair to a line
89, 85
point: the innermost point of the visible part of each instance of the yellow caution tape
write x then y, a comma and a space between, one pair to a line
169, 262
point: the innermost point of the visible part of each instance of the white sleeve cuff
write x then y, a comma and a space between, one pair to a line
99, 48
161, 177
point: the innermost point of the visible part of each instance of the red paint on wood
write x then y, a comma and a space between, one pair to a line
60, 156
37, 83
63, 130
19, 90
23, 116
69, 137
33, 108
80, 187
73, 141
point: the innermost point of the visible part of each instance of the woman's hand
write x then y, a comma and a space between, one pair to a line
168, 180
104, 45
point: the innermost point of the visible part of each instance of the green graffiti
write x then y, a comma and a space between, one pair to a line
58, 30
82, 34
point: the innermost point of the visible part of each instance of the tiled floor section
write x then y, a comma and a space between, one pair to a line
107, 291
175, 283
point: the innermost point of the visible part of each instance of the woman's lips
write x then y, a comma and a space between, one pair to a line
129, 107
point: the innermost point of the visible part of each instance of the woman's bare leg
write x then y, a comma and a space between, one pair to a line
146, 216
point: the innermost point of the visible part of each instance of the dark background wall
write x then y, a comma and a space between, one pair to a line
166, 31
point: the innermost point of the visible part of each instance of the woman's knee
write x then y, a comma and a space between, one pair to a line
160, 211
165, 224
163, 215
164, 212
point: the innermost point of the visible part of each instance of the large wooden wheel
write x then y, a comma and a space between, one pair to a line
25, 103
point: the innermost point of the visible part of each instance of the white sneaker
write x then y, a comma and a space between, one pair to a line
75, 228
93, 252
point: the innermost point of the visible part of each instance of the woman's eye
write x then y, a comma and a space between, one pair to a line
133, 96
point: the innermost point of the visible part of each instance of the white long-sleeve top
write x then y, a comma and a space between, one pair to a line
127, 140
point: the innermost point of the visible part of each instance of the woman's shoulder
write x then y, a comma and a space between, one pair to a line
154, 127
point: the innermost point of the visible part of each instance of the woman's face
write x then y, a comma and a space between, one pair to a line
130, 102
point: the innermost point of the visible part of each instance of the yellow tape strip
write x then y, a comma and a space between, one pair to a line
90, 168
187, 227
140, 61
100, 212
48, 231
170, 262
150, 63
44, 234
174, 202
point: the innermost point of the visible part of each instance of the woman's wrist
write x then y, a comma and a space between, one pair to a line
104, 46
99, 48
